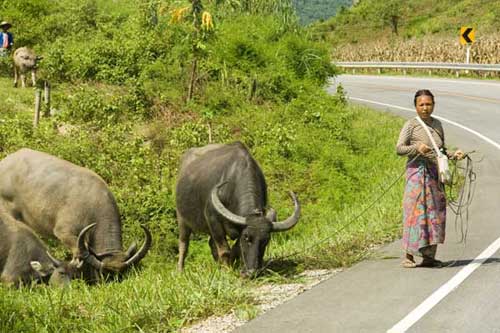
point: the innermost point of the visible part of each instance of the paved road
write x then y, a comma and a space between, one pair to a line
377, 295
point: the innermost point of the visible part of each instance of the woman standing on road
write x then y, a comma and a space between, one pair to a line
424, 201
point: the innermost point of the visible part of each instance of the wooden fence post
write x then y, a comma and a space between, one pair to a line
38, 98
46, 98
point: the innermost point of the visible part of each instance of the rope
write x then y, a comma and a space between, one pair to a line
460, 206
342, 227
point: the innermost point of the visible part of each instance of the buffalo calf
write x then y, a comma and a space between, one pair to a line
25, 60
24, 258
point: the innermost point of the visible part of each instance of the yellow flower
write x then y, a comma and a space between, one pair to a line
206, 21
178, 14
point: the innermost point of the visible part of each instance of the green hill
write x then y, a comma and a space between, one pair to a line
373, 19
318, 10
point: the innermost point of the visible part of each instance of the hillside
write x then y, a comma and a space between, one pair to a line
371, 19
310, 11
137, 83
413, 30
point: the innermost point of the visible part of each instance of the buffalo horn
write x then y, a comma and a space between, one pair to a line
222, 210
84, 252
292, 220
143, 250
271, 215
131, 250
56, 262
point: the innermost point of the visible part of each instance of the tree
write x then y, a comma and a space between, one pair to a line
201, 24
391, 12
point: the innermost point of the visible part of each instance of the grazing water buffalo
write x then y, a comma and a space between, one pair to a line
24, 258
221, 191
59, 199
25, 60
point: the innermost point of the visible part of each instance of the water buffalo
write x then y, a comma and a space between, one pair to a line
25, 60
221, 191
24, 257
59, 199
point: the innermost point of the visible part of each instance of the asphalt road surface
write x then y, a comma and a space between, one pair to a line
378, 295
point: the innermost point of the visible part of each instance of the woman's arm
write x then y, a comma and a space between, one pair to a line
403, 147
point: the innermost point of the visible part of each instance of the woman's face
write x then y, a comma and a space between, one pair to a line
424, 106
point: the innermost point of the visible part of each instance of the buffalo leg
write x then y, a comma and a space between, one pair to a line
184, 234
10, 275
23, 80
235, 251
33, 77
8, 280
218, 234
68, 239
213, 249
15, 77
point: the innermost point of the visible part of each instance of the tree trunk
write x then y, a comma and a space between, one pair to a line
192, 79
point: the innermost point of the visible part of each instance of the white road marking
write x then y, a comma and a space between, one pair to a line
466, 82
451, 122
404, 324
444, 290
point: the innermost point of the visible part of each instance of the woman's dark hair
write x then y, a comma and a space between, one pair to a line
423, 92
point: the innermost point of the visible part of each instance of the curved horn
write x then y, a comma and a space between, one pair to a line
219, 207
143, 250
292, 220
131, 250
271, 214
83, 250
56, 262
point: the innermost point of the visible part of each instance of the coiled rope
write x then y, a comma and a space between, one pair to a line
466, 190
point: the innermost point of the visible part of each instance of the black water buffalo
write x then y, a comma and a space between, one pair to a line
59, 199
25, 60
221, 191
24, 257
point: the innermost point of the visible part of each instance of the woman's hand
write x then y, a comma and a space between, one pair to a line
458, 155
423, 149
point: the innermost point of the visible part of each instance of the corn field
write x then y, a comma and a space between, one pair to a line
485, 50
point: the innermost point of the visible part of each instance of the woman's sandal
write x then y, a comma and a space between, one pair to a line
407, 263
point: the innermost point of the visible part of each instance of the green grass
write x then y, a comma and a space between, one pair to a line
337, 158
155, 299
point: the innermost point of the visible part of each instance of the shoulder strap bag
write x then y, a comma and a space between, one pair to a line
442, 159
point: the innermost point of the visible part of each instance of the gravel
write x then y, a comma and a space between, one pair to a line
268, 296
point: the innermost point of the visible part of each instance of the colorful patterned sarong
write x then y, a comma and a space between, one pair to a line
424, 207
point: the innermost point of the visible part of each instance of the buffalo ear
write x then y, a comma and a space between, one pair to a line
37, 267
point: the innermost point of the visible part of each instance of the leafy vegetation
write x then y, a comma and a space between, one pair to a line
121, 72
319, 10
372, 19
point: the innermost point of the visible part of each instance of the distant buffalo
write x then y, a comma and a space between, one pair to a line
73, 204
25, 60
221, 191
24, 257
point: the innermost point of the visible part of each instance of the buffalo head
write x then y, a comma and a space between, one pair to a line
256, 231
112, 262
53, 271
